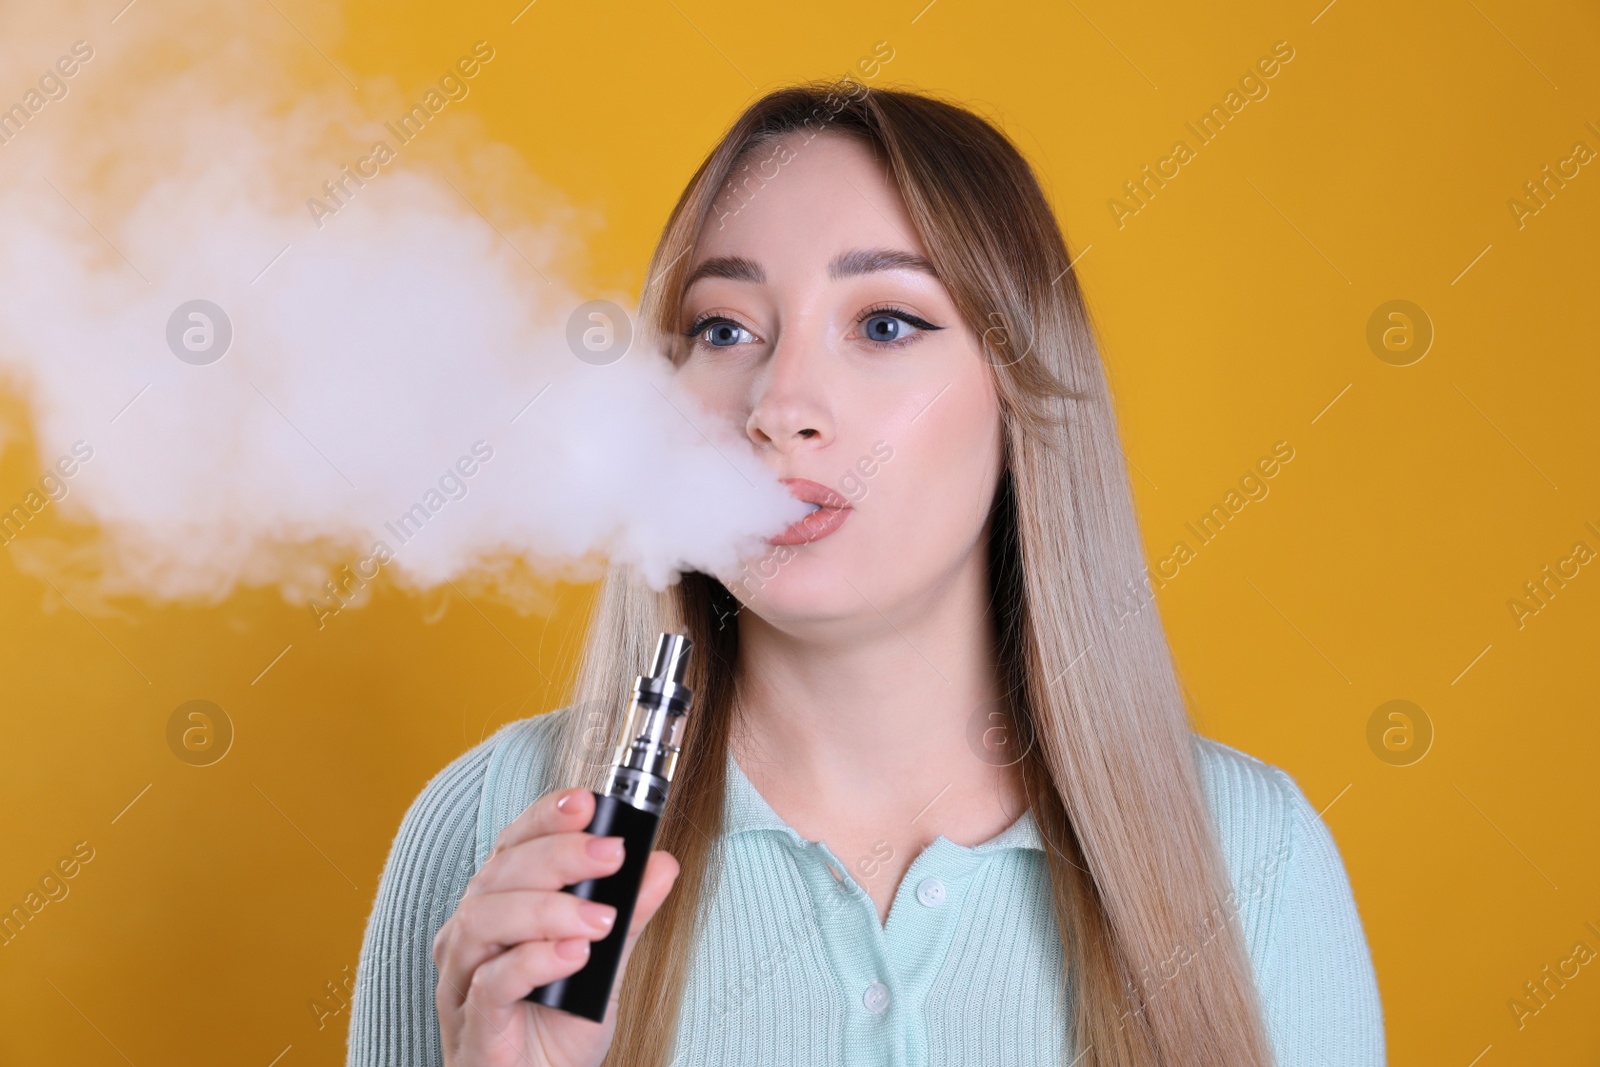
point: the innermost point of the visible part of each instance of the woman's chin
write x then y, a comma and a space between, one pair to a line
803, 590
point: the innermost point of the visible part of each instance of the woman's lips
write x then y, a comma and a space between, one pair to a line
831, 512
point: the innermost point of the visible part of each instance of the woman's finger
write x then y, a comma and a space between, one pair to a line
512, 975
563, 809
485, 926
549, 861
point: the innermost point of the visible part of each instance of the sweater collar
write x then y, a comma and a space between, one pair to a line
745, 810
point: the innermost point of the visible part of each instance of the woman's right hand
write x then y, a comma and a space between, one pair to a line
514, 929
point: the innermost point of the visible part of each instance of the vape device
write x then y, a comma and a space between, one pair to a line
630, 808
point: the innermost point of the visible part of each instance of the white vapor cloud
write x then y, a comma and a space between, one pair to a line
377, 356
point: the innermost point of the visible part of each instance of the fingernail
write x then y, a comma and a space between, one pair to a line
600, 916
605, 848
572, 948
565, 803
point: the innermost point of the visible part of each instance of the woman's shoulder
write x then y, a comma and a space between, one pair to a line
1298, 911
444, 838
478, 792
1250, 799
1281, 856
515, 769
1263, 821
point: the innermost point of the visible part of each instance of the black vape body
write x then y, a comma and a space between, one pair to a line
642, 766
587, 991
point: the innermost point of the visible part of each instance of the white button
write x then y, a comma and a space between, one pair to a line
931, 892
876, 998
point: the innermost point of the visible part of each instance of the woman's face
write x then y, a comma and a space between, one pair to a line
853, 376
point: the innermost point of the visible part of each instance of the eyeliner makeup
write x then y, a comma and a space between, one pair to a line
630, 808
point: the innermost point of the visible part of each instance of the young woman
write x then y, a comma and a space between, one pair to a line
939, 801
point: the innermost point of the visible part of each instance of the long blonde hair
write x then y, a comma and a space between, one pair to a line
1134, 862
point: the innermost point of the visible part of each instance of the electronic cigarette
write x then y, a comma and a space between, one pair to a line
631, 807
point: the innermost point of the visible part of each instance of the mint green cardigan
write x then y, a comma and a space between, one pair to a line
792, 966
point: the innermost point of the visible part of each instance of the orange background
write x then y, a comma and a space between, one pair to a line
1233, 308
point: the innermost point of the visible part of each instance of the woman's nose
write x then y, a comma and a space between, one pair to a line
792, 408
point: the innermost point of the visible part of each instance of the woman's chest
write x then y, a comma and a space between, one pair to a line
794, 966
877, 865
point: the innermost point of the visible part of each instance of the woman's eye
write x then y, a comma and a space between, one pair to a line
883, 327
720, 333
893, 327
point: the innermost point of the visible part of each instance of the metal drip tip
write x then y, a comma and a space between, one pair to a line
672, 658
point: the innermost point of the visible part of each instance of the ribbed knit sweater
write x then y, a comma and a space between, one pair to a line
793, 967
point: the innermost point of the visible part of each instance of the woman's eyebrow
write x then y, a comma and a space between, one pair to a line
867, 260
845, 265
735, 268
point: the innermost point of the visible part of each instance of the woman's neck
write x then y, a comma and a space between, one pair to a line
867, 726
